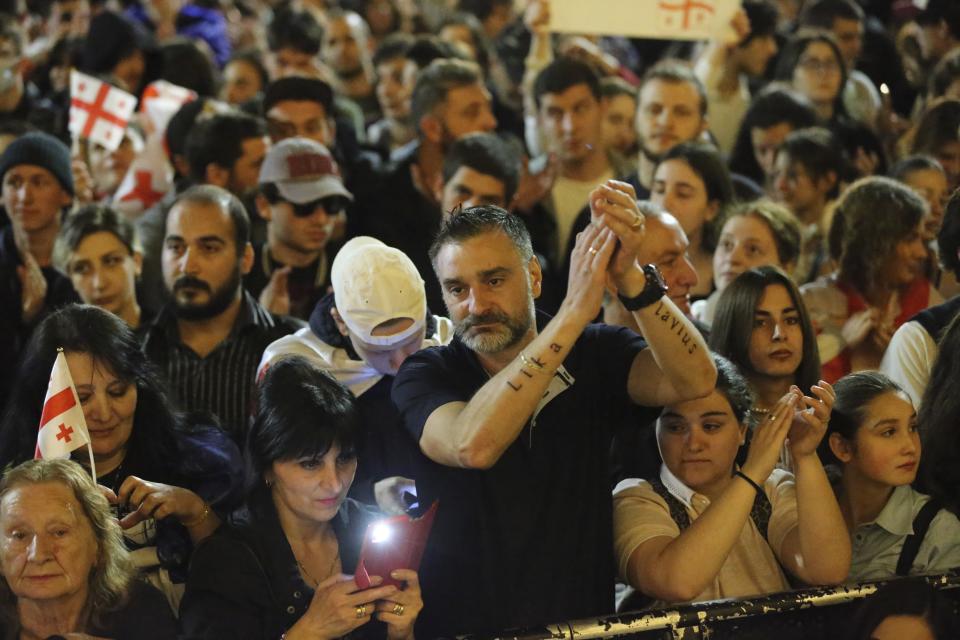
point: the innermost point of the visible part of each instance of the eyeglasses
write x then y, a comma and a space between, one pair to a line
332, 205
815, 65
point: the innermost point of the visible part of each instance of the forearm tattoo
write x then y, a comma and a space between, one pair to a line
678, 326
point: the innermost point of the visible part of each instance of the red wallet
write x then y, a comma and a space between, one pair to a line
393, 543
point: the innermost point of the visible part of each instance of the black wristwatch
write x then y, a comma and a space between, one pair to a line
653, 291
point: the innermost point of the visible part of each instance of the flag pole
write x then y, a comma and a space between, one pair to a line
93, 467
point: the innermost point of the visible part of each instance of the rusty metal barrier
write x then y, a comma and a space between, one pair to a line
804, 614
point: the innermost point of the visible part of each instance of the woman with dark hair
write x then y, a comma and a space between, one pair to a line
753, 234
811, 62
276, 570
939, 416
873, 434
693, 184
773, 113
876, 237
905, 609
98, 250
708, 528
244, 77
938, 134
779, 352
166, 475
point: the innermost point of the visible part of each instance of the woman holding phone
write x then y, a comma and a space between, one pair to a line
276, 570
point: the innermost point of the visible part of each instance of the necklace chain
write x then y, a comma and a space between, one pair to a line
310, 578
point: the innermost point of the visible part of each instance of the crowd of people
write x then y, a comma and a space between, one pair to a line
677, 315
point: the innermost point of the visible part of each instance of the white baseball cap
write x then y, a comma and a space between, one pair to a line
374, 283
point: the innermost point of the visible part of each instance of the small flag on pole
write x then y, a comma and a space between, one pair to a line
62, 425
99, 111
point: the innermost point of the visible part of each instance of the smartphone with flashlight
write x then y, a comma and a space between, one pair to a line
393, 543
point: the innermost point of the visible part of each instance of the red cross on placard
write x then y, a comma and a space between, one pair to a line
95, 110
688, 7
64, 433
142, 189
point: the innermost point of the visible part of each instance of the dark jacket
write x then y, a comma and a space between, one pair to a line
244, 581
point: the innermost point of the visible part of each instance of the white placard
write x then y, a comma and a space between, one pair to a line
660, 19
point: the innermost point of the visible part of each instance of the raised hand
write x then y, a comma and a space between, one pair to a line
768, 438
810, 423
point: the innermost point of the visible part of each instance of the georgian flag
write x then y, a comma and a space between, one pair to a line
98, 110
150, 175
62, 425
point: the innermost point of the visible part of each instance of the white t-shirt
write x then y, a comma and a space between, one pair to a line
569, 198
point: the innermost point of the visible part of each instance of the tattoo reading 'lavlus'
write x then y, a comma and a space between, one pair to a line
677, 326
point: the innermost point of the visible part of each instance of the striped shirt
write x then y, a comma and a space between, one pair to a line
221, 383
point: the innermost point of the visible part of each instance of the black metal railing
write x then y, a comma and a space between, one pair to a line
805, 614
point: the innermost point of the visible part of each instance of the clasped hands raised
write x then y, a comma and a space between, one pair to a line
605, 254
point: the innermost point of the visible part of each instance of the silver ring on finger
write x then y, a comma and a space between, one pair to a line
592, 251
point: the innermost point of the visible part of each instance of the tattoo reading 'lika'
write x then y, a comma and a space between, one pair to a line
677, 326
555, 347
515, 387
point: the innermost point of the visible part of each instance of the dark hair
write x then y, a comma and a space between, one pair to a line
733, 386
108, 339
436, 81
395, 45
480, 43
481, 8
473, 221
821, 14
485, 153
945, 74
87, 220
936, 11
295, 29
939, 413
854, 392
219, 140
775, 104
870, 218
906, 597
254, 58
793, 50
187, 65
707, 163
763, 17
208, 194
298, 88
948, 239
563, 73
736, 307
677, 72
428, 47
819, 151
302, 412
782, 224
939, 125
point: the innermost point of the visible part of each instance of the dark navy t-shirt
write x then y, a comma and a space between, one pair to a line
529, 540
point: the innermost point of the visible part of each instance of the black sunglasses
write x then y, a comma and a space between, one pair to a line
333, 205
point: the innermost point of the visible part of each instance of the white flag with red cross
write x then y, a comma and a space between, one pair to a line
62, 425
98, 110
148, 179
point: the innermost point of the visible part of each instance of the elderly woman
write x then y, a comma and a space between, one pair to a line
65, 568
277, 570
876, 234
169, 473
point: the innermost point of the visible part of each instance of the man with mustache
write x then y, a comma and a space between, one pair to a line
209, 338
519, 409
